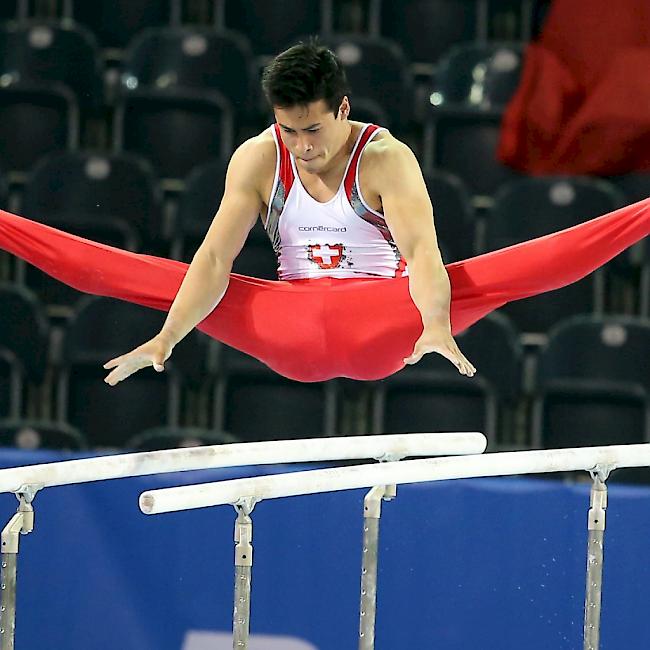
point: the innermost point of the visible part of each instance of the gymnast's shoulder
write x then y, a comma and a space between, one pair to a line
385, 156
254, 158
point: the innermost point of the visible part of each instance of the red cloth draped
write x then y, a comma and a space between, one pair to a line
583, 103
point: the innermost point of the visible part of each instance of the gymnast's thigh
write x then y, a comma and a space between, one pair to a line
372, 328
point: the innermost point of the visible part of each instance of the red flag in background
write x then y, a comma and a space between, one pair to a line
583, 102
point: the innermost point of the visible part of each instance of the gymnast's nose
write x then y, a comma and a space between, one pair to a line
304, 145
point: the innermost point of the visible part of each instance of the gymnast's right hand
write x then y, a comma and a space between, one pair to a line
152, 353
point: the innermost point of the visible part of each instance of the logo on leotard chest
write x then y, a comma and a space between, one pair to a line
325, 255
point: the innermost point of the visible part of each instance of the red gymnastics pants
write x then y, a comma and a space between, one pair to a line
313, 330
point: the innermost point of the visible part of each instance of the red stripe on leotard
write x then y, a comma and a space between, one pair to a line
351, 174
286, 170
350, 179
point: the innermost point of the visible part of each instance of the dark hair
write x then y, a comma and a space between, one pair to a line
305, 73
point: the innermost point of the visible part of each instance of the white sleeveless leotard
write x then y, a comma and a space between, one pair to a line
341, 238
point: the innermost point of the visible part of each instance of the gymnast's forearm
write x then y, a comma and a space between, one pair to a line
202, 289
429, 287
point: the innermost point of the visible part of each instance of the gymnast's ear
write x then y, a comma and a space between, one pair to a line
344, 109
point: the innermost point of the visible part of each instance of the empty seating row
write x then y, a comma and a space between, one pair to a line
179, 86
424, 28
590, 385
184, 93
99, 330
197, 57
49, 434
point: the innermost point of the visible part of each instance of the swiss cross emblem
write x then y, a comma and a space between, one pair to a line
326, 256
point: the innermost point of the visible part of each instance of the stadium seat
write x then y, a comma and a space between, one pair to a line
10, 384
50, 71
426, 29
8, 9
467, 149
592, 385
453, 213
35, 120
176, 437
198, 58
472, 85
4, 190
52, 52
476, 76
175, 129
197, 206
40, 434
433, 396
636, 187
115, 22
257, 258
24, 330
254, 403
379, 78
532, 207
644, 289
113, 198
110, 198
369, 111
101, 329
177, 93
273, 26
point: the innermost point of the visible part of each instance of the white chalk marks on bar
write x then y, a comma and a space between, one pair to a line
410, 471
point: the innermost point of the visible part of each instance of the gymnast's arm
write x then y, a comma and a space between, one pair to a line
409, 216
207, 277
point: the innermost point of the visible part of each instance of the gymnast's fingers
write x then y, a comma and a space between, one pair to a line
457, 360
152, 353
130, 364
453, 354
468, 367
113, 362
462, 363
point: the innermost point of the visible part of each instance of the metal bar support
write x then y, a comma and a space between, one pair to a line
243, 572
21, 523
371, 517
595, 548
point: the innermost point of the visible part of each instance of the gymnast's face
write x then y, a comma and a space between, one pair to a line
313, 134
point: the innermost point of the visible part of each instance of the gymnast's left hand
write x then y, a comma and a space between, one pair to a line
439, 339
152, 353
